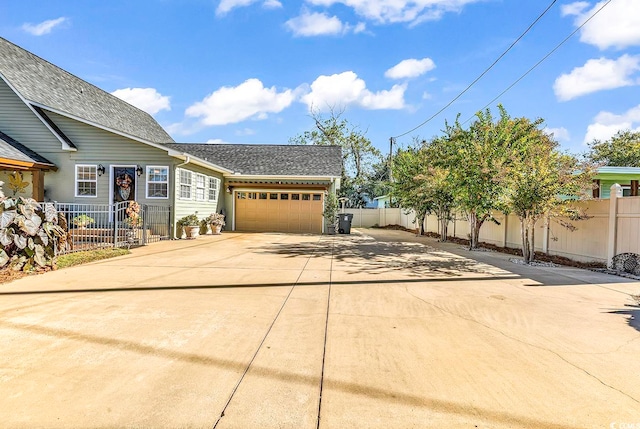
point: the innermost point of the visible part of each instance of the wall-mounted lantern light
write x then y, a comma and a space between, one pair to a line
101, 169
139, 170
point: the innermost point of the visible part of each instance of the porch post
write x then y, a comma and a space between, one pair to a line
38, 185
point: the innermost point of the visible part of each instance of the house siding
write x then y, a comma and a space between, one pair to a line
185, 207
20, 123
97, 146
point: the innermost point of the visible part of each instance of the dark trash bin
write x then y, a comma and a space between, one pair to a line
344, 223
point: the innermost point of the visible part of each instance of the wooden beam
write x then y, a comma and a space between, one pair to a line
634, 188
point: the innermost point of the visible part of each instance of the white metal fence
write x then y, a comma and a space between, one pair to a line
94, 226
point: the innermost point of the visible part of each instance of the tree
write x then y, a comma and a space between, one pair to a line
541, 180
478, 159
422, 186
410, 185
622, 150
358, 153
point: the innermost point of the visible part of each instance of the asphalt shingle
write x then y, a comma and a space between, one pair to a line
269, 160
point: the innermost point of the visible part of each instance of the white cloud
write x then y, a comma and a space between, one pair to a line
597, 75
617, 25
147, 99
216, 141
346, 89
394, 11
410, 68
226, 6
249, 100
573, 8
44, 27
310, 24
607, 124
560, 133
272, 4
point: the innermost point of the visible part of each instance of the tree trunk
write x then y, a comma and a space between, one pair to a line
473, 233
443, 220
421, 224
532, 240
524, 238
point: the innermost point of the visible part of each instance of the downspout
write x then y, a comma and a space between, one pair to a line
175, 229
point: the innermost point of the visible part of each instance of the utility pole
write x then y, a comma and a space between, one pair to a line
391, 140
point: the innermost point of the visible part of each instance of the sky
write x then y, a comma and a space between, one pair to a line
255, 71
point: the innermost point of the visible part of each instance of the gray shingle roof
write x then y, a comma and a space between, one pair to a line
269, 160
40, 82
12, 149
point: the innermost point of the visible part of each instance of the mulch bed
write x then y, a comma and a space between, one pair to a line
543, 257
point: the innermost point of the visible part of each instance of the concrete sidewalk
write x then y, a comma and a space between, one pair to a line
379, 329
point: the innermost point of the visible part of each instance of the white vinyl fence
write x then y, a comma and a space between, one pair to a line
613, 227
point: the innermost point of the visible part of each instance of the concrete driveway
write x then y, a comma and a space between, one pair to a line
379, 329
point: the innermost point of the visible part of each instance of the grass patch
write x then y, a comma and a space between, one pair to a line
78, 258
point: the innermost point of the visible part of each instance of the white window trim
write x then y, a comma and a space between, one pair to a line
75, 184
149, 167
209, 189
203, 187
180, 184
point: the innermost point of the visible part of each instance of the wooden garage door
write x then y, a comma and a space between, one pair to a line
279, 212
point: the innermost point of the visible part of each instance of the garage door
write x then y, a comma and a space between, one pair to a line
279, 212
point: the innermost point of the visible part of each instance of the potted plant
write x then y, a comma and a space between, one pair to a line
330, 212
216, 220
82, 221
190, 225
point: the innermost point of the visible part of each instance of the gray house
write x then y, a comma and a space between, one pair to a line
66, 140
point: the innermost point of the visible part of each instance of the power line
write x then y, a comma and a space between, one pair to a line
483, 73
542, 60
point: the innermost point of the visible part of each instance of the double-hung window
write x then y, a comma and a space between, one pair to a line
157, 182
200, 182
185, 184
214, 184
86, 181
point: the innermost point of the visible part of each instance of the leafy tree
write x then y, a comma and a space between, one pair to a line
409, 187
540, 180
358, 152
622, 150
478, 159
422, 186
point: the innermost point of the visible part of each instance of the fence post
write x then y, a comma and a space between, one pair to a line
616, 192
144, 210
545, 236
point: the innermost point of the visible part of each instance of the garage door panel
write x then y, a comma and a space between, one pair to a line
279, 212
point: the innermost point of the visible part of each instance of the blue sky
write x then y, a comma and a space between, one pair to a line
250, 71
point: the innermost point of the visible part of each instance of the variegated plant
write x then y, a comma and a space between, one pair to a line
29, 234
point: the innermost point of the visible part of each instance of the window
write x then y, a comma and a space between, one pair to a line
317, 197
273, 196
252, 195
306, 197
295, 196
157, 182
263, 195
200, 187
185, 184
214, 184
284, 196
86, 181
